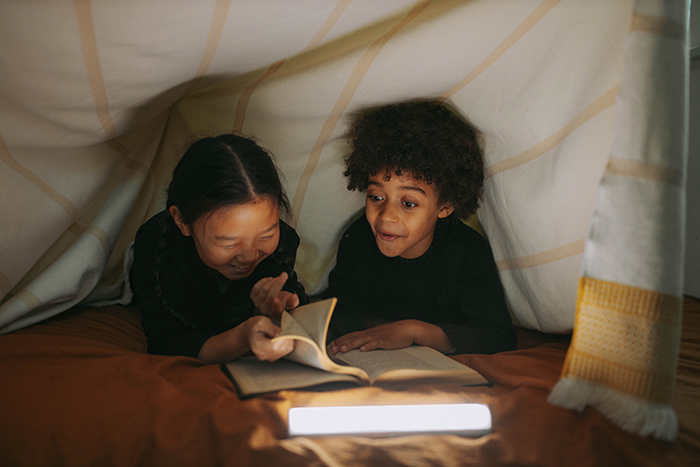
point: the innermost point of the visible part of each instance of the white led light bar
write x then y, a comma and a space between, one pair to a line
391, 420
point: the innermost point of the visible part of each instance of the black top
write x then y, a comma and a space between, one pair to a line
454, 285
200, 301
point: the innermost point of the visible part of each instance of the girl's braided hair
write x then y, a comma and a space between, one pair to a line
215, 172
425, 139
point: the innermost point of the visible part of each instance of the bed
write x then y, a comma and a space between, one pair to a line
583, 110
79, 389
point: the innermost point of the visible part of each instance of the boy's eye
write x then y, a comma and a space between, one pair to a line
409, 204
375, 198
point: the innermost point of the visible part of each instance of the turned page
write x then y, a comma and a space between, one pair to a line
414, 362
308, 326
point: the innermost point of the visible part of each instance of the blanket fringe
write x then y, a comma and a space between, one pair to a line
632, 414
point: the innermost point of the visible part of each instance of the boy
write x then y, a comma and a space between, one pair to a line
409, 271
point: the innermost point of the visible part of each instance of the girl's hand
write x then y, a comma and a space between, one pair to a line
394, 335
270, 299
260, 331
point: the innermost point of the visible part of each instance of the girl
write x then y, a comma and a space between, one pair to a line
218, 251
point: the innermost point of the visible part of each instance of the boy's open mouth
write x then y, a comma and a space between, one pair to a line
387, 236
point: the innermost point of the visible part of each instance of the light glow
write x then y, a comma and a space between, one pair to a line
391, 420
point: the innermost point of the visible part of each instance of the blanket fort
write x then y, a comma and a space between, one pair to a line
582, 106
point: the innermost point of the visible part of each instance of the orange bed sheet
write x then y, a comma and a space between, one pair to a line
79, 389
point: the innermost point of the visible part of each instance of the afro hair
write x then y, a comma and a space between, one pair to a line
426, 140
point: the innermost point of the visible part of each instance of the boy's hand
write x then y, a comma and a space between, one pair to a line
270, 299
259, 332
394, 335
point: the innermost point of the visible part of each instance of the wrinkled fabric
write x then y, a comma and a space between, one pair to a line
79, 389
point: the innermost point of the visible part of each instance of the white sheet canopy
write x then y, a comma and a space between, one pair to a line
583, 107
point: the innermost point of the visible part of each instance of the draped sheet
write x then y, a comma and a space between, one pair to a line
582, 106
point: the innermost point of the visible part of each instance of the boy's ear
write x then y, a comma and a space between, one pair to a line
445, 211
177, 217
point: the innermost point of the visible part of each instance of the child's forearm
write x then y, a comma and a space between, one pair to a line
431, 335
224, 347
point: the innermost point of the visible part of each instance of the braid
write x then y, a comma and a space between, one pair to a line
284, 260
167, 227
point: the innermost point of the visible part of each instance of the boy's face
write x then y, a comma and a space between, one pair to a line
403, 213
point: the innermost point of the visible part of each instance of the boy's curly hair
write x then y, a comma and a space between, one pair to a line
427, 140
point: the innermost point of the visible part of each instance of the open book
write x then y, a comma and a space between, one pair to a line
309, 364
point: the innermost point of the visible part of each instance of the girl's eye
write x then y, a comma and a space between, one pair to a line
409, 205
266, 238
375, 198
229, 247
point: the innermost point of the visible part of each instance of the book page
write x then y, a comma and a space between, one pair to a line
314, 318
252, 376
308, 353
414, 362
291, 328
307, 325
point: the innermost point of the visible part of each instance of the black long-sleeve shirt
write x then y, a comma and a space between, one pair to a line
454, 285
200, 301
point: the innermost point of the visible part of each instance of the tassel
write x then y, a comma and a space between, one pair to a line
630, 413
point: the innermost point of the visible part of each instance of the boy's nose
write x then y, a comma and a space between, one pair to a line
388, 214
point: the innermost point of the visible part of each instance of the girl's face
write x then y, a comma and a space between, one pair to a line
233, 240
403, 213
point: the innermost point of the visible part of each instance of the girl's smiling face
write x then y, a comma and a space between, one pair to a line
403, 213
234, 239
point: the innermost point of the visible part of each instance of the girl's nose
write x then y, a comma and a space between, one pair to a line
247, 255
